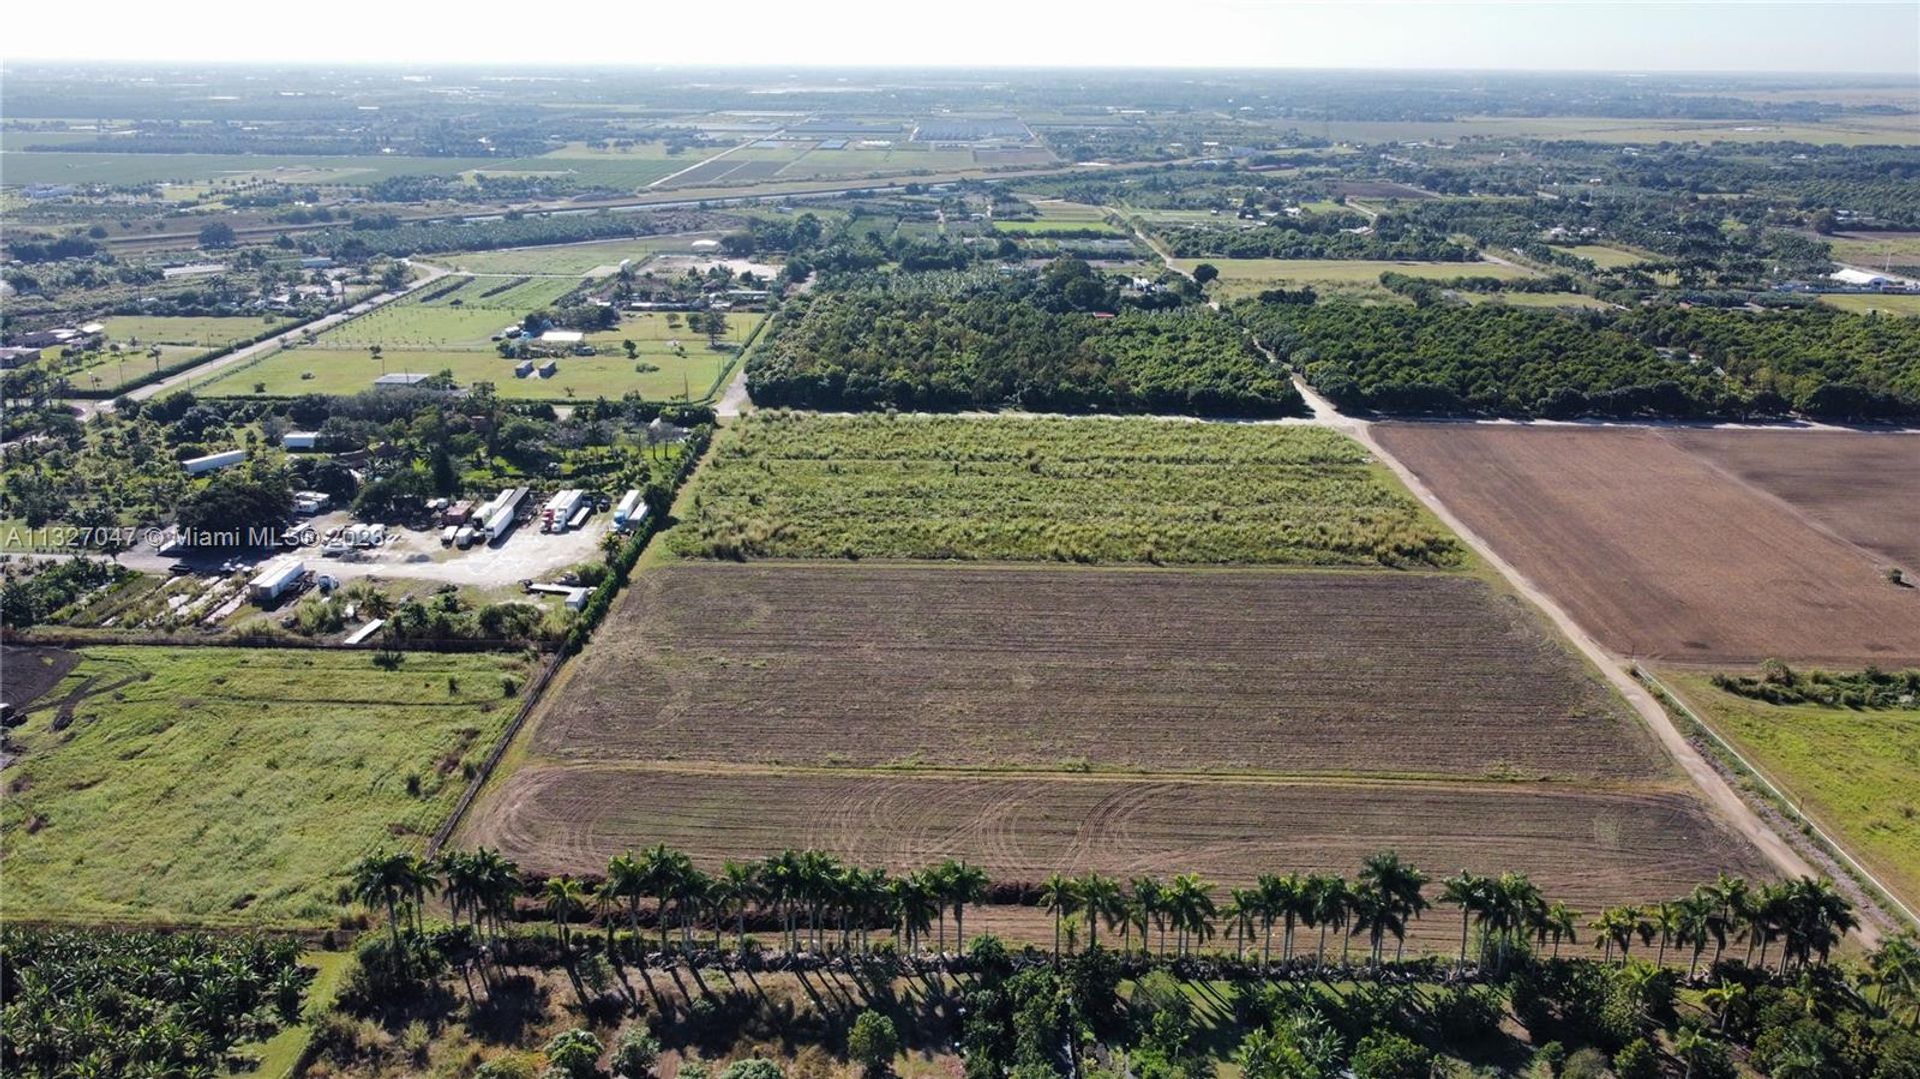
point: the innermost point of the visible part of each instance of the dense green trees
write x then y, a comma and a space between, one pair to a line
98, 1002
1666, 362
1022, 344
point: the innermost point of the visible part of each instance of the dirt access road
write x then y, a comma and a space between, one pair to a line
1730, 805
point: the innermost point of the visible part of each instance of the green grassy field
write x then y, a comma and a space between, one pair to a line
235, 786
143, 330
1056, 226
428, 340
580, 259
1861, 303
178, 339
1605, 256
1872, 249
1536, 299
795, 485
1857, 772
1247, 277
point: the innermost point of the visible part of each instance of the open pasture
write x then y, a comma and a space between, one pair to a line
1538, 299
1589, 847
1663, 554
787, 485
1903, 305
1874, 249
1855, 771
230, 786
140, 331
1249, 277
430, 338
569, 259
1605, 256
1117, 670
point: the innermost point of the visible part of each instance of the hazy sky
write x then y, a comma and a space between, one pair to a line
1620, 36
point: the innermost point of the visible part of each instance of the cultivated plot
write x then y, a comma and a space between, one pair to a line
1249, 277
1590, 848
1004, 667
1862, 486
1662, 554
218, 785
785, 485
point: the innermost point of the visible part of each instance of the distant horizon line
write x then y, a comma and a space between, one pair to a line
1911, 78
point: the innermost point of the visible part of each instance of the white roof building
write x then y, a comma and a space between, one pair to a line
1847, 275
562, 337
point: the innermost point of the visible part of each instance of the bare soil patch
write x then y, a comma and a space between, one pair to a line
1140, 670
1589, 847
1863, 486
1662, 555
26, 674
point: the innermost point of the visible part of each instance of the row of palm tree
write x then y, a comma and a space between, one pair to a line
1807, 916
821, 903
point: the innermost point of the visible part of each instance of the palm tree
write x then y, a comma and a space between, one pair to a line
1326, 908
460, 874
1148, 908
1243, 910
737, 886
499, 886
1724, 1001
383, 880
1101, 898
1061, 895
965, 884
1664, 919
1472, 895
1732, 896
1616, 927
1696, 924
564, 898
1688, 1045
1895, 969
1191, 909
1400, 890
1559, 922
627, 881
914, 904
780, 875
664, 872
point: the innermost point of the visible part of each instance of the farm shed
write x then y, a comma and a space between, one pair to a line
275, 579
400, 378
196, 466
300, 440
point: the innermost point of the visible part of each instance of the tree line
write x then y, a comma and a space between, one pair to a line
817, 903
1011, 344
1664, 362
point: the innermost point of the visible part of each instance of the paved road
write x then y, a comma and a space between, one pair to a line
89, 409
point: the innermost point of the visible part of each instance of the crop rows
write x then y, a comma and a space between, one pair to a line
790, 486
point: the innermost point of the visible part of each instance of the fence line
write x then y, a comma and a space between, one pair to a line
531, 697
34, 637
1780, 795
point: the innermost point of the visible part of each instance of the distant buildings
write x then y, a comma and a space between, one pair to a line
198, 466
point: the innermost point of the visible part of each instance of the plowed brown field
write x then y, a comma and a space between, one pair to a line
1588, 846
1864, 487
1662, 553
1165, 671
